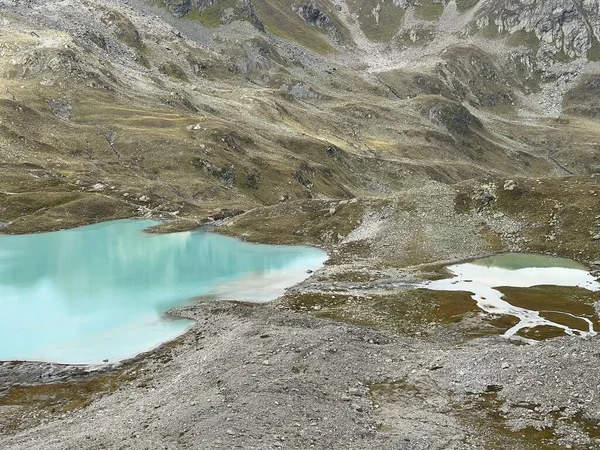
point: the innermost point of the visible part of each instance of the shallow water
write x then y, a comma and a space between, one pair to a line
100, 291
491, 281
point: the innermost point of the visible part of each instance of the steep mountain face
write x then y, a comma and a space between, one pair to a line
252, 94
248, 97
570, 27
542, 47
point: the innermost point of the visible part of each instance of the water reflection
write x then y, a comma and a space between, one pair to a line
100, 291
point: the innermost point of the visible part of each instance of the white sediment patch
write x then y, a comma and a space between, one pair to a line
480, 280
267, 285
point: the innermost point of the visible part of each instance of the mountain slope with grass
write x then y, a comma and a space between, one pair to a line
156, 101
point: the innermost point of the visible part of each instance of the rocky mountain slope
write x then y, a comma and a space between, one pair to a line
398, 135
94, 93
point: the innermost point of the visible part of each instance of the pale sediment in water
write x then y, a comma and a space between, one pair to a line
263, 287
101, 292
485, 278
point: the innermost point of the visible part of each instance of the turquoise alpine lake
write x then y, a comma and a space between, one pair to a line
100, 292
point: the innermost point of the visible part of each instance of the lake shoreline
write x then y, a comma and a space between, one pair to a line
99, 293
330, 356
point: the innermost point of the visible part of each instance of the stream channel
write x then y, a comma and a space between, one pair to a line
546, 296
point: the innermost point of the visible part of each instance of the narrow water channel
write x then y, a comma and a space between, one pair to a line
517, 285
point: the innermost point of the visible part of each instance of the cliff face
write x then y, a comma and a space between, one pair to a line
489, 53
569, 26
313, 16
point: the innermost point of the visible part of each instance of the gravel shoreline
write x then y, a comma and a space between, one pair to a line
249, 376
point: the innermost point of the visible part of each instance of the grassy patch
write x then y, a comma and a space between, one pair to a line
410, 84
26, 406
349, 276
493, 239
14, 206
584, 98
525, 38
128, 34
409, 312
477, 76
67, 212
279, 19
491, 31
593, 54
429, 10
456, 118
556, 303
379, 20
393, 392
483, 412
317, 222
174, 71
211, 16
562, 56
559, 214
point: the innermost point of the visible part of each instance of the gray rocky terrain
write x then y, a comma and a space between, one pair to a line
399, 136
264, 377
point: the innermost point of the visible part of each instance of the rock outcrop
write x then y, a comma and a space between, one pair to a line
180, 8
315, 17
568, 26
244, 8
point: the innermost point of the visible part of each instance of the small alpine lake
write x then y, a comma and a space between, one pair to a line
100, 292
544, 296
